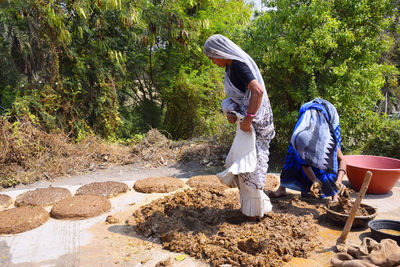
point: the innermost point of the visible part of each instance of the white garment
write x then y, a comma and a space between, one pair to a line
253, 202
242, 156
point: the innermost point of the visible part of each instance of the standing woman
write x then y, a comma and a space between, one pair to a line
247, 96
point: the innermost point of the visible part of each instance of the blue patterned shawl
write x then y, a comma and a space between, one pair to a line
314, 143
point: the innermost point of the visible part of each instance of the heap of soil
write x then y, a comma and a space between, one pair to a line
80, 207
5, 201
206, 181
158, 185
271, 182
208, 225
18, 220
42, 196
107, 189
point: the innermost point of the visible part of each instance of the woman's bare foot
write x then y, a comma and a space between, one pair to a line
278, 193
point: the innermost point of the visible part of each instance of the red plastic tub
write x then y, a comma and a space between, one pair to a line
385, 172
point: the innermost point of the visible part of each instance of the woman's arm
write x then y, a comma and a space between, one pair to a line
254, 103
342, 167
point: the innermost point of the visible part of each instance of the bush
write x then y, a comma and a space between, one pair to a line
386, 142
193, 103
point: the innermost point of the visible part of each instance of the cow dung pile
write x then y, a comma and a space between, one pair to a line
271, 182
158, 185
18, 220
107, 189
207, 224
42, 196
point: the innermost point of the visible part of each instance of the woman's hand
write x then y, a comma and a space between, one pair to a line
231, 117
245, 125
315, 189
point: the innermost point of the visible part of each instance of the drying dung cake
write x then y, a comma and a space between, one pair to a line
107, 189
158, 185
206, 181
80, 207
21, 219
5, 201
42, 196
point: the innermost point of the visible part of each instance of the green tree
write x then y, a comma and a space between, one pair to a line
329, 49
68, 56
112, 67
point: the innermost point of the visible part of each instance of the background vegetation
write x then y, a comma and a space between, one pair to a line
118, 68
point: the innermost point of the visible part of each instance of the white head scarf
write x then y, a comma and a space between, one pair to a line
218, 46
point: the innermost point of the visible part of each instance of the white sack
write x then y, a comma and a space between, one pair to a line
242, 156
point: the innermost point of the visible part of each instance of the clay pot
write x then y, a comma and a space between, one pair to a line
385, 172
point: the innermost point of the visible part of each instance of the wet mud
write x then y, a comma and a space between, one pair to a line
345, 208
345, 204
208, 224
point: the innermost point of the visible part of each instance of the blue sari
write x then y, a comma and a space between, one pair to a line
314, 143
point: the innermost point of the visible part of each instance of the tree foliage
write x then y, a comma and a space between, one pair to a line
110, 67
329, 49
117, 68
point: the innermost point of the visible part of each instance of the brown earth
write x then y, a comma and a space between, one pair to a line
42, 196
18, 220
5, 201
107, 189
208, 225
158, 185
206, 181
80, 207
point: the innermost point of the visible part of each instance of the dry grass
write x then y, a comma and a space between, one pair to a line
28, 154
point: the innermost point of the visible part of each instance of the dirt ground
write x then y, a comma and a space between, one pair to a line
122, 237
